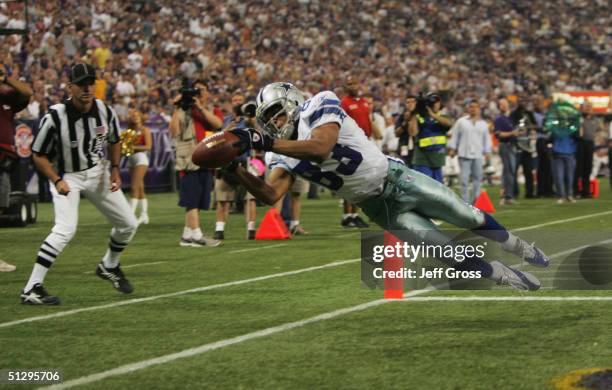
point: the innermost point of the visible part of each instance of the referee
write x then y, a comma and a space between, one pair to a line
74, 134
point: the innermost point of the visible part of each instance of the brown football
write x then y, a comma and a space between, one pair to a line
216, 150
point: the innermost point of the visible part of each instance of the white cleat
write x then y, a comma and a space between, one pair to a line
528, 252
514, 278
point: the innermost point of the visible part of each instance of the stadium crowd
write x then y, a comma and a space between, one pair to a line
143, 50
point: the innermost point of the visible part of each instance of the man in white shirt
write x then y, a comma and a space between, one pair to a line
470, 140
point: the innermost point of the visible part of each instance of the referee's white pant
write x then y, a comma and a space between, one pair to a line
94, 183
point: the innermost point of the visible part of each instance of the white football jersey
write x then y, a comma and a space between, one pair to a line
355, 170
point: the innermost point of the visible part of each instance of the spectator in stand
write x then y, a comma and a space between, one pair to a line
470, 140
507, 135
191, 119
591, 125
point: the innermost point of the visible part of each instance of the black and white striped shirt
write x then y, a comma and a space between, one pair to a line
76, 139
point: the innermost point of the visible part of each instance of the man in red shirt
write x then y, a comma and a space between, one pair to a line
14, 97
358, 108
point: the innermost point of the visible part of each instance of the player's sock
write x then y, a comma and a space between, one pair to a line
219, 226
293, 223
196, 234
492, 229
111, 258
38, 276
354, 215
44, 260
251, 225
186, 233
346, 216
134, 203
144, 206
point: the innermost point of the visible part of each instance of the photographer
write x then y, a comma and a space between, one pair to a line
193, 117
402, 127
429, 128
524, 120
14, 97
243, 115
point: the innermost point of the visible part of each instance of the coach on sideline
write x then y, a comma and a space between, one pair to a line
75, 133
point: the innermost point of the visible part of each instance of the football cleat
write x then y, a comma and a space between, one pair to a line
529, 253
38, 296
514, 278
219, 235
116, 277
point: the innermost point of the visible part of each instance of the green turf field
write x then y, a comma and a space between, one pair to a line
236, 316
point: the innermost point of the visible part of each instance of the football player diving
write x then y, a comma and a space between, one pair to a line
318, 141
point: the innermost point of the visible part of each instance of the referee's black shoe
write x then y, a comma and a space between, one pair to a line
116, 277
38, 296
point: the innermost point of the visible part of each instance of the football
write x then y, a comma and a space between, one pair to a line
216, 150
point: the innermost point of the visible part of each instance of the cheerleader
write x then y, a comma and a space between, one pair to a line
139, 163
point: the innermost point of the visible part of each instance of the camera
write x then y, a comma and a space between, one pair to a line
424, 101
188, 93
247, 109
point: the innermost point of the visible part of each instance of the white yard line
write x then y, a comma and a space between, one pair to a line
175, 294
234, 283
257, 248
133, 266
560, 221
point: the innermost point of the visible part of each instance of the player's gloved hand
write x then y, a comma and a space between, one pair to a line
229, 168
252, 139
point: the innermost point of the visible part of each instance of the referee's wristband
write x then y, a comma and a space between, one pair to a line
114, 166
57, 181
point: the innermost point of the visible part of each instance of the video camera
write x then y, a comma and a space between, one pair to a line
188, 93
426, 100
247, 109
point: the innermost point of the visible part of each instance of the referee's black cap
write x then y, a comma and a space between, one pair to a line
82, 72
